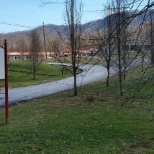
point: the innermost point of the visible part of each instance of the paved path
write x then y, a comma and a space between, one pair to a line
90, 74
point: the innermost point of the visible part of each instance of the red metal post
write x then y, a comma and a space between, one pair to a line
6, 84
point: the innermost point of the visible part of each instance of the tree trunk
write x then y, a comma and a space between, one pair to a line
119, 33
120, 67
108, 73
72, 39
152, 37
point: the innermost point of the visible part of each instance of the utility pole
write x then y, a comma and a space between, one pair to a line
44, 41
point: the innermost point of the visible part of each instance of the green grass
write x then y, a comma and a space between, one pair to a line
20, 73
79, 60
96, 121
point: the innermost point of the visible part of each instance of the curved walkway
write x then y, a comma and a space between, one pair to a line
90, 74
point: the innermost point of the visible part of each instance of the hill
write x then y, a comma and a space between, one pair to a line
88, 28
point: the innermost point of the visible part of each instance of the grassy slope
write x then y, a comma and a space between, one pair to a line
96, 121
20, 73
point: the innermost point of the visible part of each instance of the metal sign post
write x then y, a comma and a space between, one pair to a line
6, 84
4, 76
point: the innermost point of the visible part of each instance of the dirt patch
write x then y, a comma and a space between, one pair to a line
138, 148
145, 145
90, 98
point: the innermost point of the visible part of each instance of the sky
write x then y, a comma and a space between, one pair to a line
19, 15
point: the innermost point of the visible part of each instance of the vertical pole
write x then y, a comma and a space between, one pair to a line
44, 41
6, 84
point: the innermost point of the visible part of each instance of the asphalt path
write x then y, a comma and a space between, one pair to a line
90, 74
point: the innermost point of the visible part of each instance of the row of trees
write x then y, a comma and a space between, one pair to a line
119, 35
119, 42
21, 42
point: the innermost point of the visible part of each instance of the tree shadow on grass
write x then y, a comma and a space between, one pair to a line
2, 124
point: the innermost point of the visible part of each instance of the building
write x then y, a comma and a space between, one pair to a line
27, 55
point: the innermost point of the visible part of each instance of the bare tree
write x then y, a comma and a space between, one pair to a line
117, 33
151, 14
74, 31
56, 46
35, 48
22, 46
122, 23
106, 45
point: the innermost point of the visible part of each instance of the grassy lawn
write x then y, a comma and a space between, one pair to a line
20, 73
96, 121
84, 61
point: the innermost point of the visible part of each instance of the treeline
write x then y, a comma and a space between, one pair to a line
123, 39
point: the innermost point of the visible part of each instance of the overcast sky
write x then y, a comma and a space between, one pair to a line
18, 15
